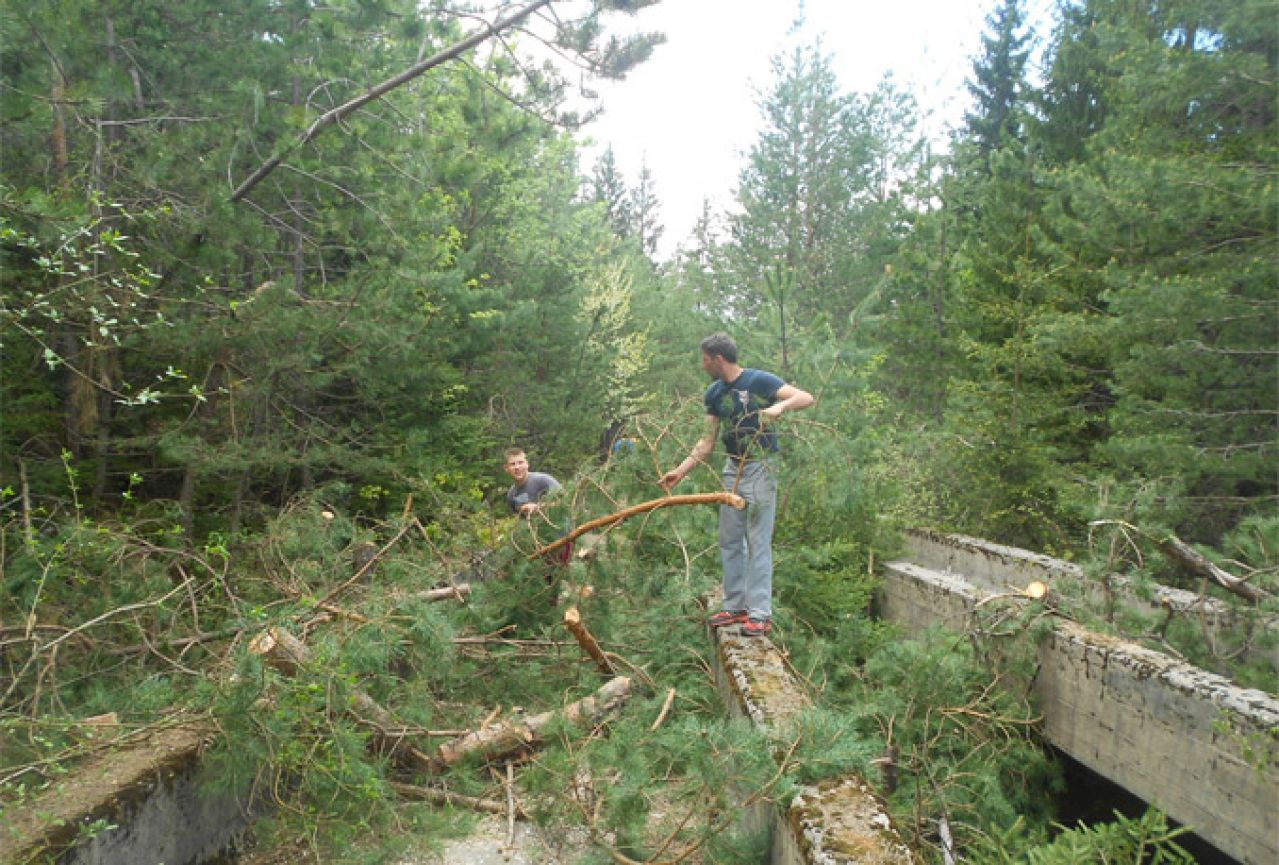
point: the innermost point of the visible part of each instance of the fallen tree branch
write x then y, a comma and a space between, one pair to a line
444, 797
720, 498
287, 654
666, 709
459, 592
1195, 562
490, 742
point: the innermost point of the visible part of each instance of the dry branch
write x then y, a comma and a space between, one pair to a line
573, 621
642, 508
666, 709
444, 797
1197, 563
490, 742
459, 592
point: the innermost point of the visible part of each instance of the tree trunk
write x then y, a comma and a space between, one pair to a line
499, 739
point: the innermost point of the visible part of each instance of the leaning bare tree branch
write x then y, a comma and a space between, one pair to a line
334, 115
1195, 562
642, 508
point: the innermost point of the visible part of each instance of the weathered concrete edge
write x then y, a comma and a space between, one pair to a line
841, 822
1112, 705
995, 567
115, 788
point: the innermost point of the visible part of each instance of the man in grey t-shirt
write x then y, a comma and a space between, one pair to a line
529, 488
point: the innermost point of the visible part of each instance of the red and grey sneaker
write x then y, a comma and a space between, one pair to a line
757, 628
727, 617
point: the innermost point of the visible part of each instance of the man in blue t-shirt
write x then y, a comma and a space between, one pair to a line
743, 403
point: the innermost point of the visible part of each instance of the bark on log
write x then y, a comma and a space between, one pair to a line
500, 739
720, 498
1197, 563
585, 639
287, 654
460, 592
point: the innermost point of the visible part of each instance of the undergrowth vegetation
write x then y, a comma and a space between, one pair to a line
159, 633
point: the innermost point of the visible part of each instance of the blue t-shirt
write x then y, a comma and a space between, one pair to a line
737, 406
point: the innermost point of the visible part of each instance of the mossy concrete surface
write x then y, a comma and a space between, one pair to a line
840, 822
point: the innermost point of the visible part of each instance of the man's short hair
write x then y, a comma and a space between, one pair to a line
722, 345
513, 452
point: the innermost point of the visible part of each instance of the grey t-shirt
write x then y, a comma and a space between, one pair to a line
535, 486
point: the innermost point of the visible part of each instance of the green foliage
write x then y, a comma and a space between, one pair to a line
1125, 841
965, 748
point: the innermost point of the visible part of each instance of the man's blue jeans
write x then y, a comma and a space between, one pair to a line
746, 537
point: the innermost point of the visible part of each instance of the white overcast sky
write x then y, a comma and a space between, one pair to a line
691, 111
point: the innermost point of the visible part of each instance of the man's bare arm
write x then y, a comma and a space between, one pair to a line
788, 398
704, 448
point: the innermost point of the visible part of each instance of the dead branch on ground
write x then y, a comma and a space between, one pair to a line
445, 797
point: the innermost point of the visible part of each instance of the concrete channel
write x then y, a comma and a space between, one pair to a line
140, 803
1185, 740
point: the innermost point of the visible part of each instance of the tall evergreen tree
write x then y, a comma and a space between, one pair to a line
645, 207
1172, 216
998, 82
820, 204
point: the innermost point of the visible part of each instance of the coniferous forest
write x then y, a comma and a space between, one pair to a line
282, 281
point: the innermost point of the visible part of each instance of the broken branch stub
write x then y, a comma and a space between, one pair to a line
585, 639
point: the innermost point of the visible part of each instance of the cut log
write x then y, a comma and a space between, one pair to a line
491, 742
1036, 591
287, 654
720, 498
573, 621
